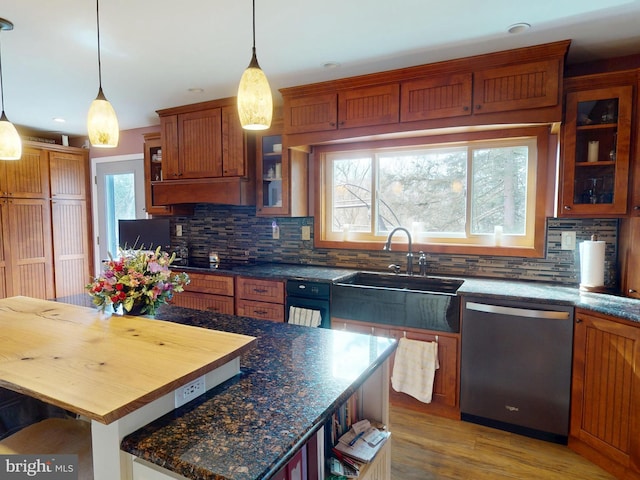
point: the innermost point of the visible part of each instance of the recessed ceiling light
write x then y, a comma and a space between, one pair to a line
196, 90
331, 65
518, 27
59, 119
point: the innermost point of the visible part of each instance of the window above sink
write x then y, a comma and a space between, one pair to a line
474, 192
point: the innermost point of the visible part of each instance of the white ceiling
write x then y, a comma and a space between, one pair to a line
154, 51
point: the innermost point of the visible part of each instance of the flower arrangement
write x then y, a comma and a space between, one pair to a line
139, 280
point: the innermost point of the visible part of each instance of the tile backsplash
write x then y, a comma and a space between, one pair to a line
237, 234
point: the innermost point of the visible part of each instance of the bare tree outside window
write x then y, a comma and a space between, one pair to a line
446, 192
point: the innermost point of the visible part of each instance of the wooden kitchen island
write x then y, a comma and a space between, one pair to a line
267, 422
119, 371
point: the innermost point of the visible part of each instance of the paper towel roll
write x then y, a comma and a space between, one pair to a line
592, 263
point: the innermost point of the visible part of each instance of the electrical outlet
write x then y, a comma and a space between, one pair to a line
188, 392
178, 230
568, 241
306, 232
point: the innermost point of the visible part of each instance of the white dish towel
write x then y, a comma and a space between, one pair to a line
414, 368
304, 316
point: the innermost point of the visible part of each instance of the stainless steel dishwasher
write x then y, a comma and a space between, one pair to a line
516, 367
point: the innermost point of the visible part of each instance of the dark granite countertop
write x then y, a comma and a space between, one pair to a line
250, 426
610, 304
623, 307
274, 271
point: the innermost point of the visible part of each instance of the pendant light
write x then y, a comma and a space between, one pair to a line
10, 143
102, 123
255, 105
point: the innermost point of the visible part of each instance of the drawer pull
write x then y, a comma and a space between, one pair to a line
260, 290
260, 312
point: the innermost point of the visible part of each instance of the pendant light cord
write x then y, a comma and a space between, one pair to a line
99, 61
1, 84
254, 26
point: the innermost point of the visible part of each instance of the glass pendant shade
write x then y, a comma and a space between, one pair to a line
255, 104
102, 123
10, 143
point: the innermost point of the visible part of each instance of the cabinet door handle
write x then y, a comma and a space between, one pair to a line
332, 124
637, 207
631, 290
578, 320
478, 107
465, 108
567, 207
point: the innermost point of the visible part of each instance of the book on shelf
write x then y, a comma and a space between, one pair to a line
361, 442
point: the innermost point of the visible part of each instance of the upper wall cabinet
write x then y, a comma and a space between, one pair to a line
436, 97
153, 173
596, 147
27, 177
206, 156
515, 86
361, 107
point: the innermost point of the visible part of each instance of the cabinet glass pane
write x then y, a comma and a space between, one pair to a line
156, 163
596, 151
272, 171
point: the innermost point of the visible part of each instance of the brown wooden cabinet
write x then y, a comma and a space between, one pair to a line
605, 419
211, 292
527, 85
26, 235
436, 97
282, 176
445, 400
596, 152
199, 142
514, 86
26, 225
634, 198
46, 251
356, 107
522, 86
27, 177
153, 162
629, 256
72, 256
263, 299
206, 156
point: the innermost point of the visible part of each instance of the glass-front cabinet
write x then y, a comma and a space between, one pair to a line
270, 175
282, 177
596, 152
153, 173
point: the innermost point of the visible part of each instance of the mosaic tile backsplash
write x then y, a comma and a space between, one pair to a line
237, 234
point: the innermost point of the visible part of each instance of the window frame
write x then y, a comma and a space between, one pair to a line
545, 191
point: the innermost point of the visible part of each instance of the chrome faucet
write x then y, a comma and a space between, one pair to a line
387, 247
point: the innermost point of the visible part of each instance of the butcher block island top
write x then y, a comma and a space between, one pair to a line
100, 366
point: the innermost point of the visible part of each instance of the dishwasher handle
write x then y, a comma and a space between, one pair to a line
518, 312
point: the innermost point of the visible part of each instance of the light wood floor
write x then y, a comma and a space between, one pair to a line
426, 447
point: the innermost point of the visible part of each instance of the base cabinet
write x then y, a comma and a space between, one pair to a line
213, 293
605, 419
445, 401
262, 299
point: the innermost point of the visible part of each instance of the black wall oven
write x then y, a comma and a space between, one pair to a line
311, 296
